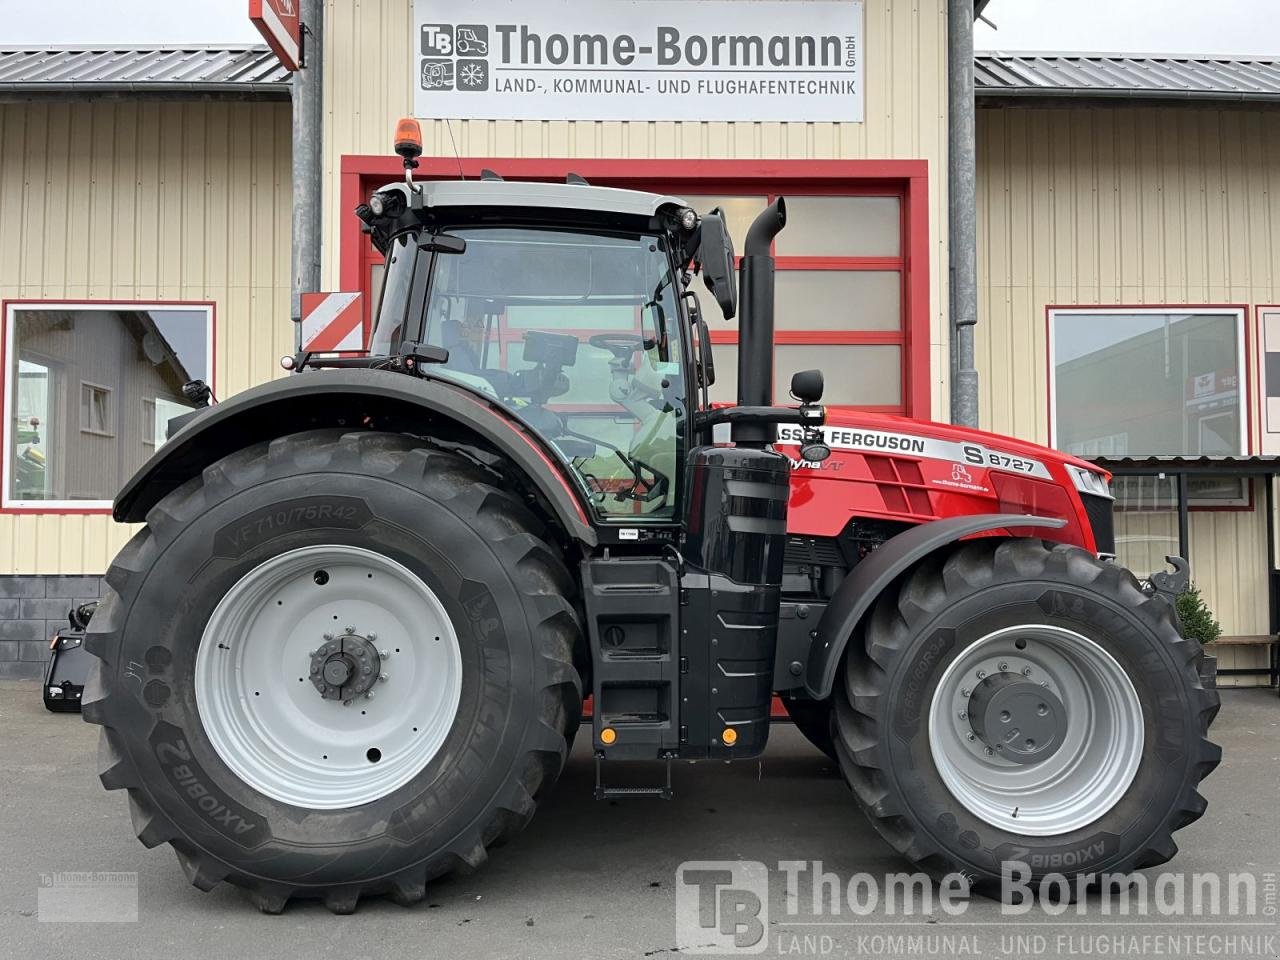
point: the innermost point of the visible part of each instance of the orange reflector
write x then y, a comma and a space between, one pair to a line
608, 735
408, 136
730, 736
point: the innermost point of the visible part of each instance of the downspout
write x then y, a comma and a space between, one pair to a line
962, 189
308, 87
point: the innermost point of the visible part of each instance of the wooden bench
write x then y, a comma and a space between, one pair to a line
1269, 640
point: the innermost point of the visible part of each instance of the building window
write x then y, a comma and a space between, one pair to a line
839, 296
95, 409
88, 389
1147, 382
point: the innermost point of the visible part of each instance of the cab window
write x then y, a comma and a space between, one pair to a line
578, 334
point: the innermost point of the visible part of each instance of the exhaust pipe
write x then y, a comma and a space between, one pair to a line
755, 336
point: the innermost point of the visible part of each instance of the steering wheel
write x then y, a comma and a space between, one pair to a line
622, 345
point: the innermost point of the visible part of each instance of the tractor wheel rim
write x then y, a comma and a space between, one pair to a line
268, 720
1099, 750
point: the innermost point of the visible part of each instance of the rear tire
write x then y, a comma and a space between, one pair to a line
436, 515
906, 751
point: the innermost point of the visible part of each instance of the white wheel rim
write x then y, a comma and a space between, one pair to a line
1099, 755
270, 724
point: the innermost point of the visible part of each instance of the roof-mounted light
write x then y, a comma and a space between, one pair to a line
408, 144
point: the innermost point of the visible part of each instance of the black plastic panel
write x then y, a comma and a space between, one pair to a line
632, 608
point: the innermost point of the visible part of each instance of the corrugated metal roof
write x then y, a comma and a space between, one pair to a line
224, 70
1218, 463
252, 70
998, 74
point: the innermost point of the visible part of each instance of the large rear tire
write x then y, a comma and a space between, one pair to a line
1018, 702
239, 687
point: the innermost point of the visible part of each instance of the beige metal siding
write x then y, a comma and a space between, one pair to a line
368, 85
129, 200
1127, 205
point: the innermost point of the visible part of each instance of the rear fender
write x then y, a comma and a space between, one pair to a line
858, 591
358, 399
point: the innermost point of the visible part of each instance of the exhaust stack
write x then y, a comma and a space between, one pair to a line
755, 341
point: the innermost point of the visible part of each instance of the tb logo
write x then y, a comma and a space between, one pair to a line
722, 906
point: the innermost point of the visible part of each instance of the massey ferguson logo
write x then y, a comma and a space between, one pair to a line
454, 57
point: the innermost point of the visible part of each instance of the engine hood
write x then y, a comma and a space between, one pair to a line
929, 429
912, 471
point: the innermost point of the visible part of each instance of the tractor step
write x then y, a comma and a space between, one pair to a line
605, 792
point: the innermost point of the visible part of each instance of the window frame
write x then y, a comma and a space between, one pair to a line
9, 308
1053, 311
907, 179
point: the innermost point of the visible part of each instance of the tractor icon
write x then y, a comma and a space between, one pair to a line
472, 41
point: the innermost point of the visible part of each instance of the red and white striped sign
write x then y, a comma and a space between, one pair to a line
332, 322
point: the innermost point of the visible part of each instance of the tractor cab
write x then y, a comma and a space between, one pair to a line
563, 304
570, 306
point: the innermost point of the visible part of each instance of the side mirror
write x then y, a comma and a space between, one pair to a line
715, 253
807, 386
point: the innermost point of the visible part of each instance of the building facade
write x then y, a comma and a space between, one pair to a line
1123, 205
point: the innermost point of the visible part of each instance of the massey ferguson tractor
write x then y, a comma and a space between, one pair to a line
349, 650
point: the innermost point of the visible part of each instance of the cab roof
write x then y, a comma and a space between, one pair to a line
559, 196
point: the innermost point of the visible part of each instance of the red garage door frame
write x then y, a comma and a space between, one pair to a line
361, 174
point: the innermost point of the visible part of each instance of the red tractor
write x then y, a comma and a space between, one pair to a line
348, 651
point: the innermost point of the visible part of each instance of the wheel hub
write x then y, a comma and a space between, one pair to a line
345, 667
1022, 719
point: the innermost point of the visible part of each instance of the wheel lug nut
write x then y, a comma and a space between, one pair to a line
970, 737
1004, 716
383, 677
371, 637
988, 751
1026, 671
982, 674
1044, 683
369, 695
384, 654
1003, 665
963, 715
328, 636
964, 691
351, 629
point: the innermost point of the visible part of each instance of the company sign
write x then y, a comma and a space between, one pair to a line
796, 60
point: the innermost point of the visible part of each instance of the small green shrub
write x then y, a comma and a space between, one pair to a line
1197, 619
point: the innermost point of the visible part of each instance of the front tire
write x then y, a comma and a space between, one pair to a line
214, 648
1015, 701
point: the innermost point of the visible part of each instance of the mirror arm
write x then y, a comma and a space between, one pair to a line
806, 415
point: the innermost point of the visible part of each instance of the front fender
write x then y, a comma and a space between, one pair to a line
358, 399
880, 568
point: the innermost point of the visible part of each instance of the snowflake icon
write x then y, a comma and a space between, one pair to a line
473, 75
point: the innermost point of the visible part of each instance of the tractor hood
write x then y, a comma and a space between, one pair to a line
911, 470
